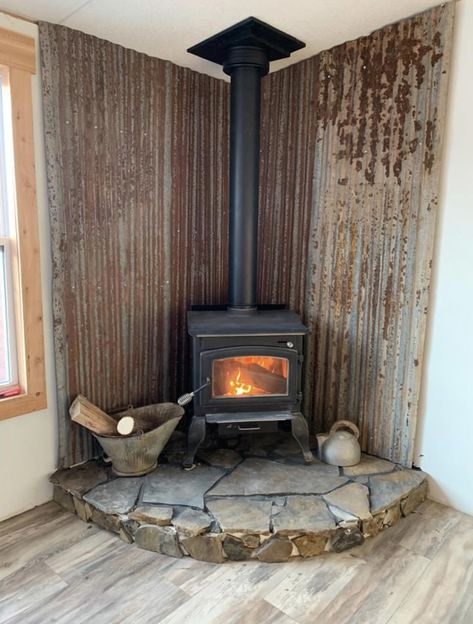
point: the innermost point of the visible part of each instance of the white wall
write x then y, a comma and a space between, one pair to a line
28, 443
445, 435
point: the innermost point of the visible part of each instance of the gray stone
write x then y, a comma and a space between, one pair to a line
369, 464
311, 544
352, 498
275, 550
371, 527
151, 514
205, 548
171, 485
302, 514
392, 515
415, 498
221, 458
345, 539
388, 489
236, 549
115, 497
241, 515
63, 498
80, 479
131, 526
362, 479
191, 522
125, 535
343, 518
158, 539
106, 521
252, 540
82, 509
265, 477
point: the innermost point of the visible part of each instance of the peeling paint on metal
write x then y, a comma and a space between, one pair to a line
351, 145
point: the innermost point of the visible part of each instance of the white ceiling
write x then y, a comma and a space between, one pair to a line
166, 28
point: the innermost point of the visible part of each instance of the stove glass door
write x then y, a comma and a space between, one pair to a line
249, 376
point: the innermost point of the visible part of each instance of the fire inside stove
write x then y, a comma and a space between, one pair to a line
249, 376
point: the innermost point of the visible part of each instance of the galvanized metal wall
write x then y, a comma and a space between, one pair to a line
350, 177
137, 173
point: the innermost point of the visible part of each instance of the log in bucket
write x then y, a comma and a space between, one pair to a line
137, 454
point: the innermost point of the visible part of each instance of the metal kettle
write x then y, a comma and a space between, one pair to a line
341, 448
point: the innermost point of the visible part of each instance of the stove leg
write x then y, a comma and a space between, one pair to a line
300, 432
195, 437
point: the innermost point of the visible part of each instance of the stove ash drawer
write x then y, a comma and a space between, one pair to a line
232, 429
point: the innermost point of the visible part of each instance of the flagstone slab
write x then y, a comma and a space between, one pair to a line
80, 479
352, 498
191, 522
115, 497
263, 477
368, 465
387, 489
302, 513
241, 515
152, 514
171, 485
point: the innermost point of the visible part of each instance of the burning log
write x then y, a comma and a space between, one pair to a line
262, 378
91, 417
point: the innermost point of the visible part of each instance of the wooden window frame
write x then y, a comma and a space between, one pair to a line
17, 53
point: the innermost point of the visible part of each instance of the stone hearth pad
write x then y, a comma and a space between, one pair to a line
239, 505
115, 497
171, 485
264, 476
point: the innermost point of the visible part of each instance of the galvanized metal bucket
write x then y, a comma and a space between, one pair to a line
138, 453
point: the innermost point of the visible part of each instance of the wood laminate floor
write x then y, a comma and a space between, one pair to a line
56, 568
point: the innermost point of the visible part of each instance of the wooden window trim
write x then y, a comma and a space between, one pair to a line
17, 52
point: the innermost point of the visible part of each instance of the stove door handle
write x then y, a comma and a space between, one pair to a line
187, 398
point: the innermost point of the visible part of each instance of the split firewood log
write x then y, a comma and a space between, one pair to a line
91, 417
126, 425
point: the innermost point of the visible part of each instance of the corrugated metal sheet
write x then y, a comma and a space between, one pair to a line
137, 162
137, 174
351, 153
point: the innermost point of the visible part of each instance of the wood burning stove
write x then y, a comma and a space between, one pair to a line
252, 365
247, 357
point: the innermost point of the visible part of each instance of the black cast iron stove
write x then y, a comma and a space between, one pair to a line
247, 357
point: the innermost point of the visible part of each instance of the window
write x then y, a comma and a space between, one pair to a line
22, 381
8, 340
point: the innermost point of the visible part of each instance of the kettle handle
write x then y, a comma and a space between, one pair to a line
345, 424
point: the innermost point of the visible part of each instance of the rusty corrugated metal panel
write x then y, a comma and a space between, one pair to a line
199, 238
137, 160
137, 182
350, 174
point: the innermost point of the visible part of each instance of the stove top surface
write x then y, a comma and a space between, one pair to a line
265, 321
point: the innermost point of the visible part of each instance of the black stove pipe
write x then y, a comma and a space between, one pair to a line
245, 51
246, 65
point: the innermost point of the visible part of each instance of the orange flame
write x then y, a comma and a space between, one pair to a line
238, 388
